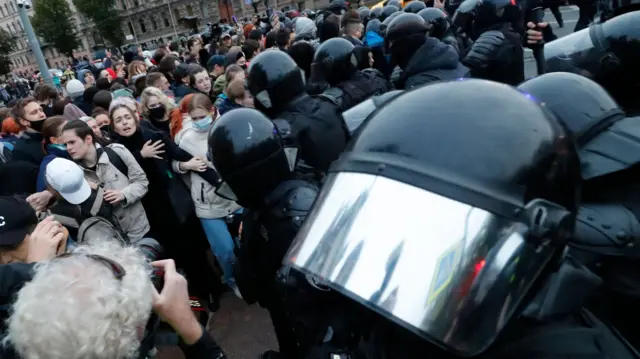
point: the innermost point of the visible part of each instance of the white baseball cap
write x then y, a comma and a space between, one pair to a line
67, 178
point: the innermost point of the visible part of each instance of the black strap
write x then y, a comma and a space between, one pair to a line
117, 161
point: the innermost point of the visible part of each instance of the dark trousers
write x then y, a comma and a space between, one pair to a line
587, 12
555, 10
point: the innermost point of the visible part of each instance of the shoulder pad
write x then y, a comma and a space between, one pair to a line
333, 94
372, 72
613, 150
296, 202
607, 229
483, 49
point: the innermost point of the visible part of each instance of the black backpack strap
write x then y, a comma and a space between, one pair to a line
117, 161
97, 203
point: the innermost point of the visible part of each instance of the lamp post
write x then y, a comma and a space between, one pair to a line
23, 5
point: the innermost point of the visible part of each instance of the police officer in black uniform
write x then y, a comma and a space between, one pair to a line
611, 8
277, 86
608, 230
607, 53
440, 27
451, 230
497, 52
423, 59
338, 66
244, 146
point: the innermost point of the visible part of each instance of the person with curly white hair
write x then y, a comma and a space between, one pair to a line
95, 302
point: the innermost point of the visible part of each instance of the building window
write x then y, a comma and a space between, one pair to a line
136, 3
15, 28
189, 10
2, 11
165, 19
56, 64
20, 26
176, 15
13, 9
6, 7
8, 28
154, 24
142, 27
131, 28
124, 4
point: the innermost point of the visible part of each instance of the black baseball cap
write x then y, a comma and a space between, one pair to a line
16, 216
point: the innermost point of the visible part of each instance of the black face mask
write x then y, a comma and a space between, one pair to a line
37, 125
244, 67
157, 113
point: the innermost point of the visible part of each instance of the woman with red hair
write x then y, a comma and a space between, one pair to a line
179, 115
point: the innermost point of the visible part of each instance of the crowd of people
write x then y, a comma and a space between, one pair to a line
385, 182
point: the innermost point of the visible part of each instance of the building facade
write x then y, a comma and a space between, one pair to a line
151, 22
22, 60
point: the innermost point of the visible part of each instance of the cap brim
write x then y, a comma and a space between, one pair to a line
79, 196
13, 237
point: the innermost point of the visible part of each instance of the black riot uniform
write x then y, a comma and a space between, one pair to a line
244, 145
423, 59
440, 27
497, 52
338, 65
608, 53
608, 230
452, 231
278, 88
611, 8
355, 116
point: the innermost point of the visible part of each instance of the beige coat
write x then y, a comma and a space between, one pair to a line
129, 213
208, 203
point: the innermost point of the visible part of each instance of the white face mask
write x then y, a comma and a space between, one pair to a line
203, 125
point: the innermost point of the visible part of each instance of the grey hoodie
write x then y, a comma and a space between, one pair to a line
305, 29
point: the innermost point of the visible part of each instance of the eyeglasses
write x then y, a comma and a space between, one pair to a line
117, 270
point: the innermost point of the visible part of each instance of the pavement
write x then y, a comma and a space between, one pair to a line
244, 331
570, 16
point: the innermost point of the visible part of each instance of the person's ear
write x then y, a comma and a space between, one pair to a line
88, 139
53, 140
25, 123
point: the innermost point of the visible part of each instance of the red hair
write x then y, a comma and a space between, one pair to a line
10, 127
176, 116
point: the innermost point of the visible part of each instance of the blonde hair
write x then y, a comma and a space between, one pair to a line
136, 67
75, 307
155, 92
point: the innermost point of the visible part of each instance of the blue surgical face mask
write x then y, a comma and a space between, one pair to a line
203, 125
58, 146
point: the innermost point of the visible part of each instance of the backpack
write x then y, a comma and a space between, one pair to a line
99, 227
117, 161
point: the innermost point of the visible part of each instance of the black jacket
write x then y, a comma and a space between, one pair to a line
497, 55
29, 148
360, 87
434, 61
318, 128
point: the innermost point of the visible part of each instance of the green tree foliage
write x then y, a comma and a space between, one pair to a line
7, 46
106, 18
54, 23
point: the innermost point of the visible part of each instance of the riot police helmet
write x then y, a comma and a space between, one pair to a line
608, 53
594, 119
431, 14
244, 145
375, 13
274, 80
364, 13
387, 11
403, 33
395, 3
338, 7
488, 184
414, 7
390, 18
336, 60
374, 25
485, 14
